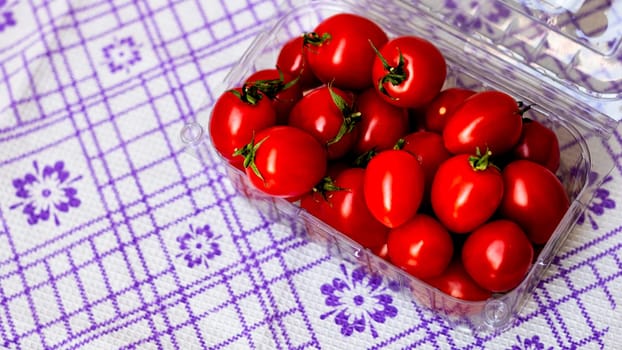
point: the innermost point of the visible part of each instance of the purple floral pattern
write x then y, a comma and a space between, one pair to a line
601, 202
121, 54
6, 16
357, 301
46, 193
199, 246
532, 343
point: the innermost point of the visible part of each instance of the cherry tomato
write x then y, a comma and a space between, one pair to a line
534, 198
339, 51
466, 192
292, 60
340, 203
393, 186
442, 106
281, 87
236, 116
497, 255
381, 124
409, 71
327, 113
382, 252
284, 161
421, 246
538, 143
456, 282
488, 120
428, 147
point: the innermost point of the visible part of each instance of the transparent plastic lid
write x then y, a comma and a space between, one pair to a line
574, 45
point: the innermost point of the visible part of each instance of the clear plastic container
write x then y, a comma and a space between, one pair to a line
540, 52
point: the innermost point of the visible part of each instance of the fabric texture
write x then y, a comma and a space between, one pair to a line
113, 237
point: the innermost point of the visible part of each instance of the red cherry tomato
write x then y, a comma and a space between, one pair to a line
497, 255
339, 51
466, 192
236, 116
534, 198
281, 87
292, 60
284, 161
456, 282
409, 71
428, 147
393, 187
381, 124
341, 204
327, 113
488, 120
538, 143
442, 106
421, 246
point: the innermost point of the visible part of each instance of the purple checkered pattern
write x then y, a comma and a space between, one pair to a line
113, 237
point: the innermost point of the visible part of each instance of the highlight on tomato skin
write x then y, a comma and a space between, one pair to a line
466, 192
292, 60
284, 161
421, 246
488, 120
339, 201
535, 198
498, 255
437, 112
237, 115
339, 53
408, 71
393, 187
539, 144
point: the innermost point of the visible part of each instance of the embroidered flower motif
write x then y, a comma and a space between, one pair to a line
358, 300
600, 203
199, 246
532, 343
121, 54
46, 193
494, 13
6, 15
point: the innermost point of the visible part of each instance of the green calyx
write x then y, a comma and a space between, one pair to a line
362, 160
248, 152
480, 162
399, 144
250, 94
396, 74
314, 39
325, 187
350, 117
272, 87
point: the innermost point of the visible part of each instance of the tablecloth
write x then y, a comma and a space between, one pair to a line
113, 237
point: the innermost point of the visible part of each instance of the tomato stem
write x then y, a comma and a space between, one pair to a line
248, 152
272, 87
522, 107
396, 74
314, 39
250, 94
350, 117
326, 186
480, 162
399, 144
362, 160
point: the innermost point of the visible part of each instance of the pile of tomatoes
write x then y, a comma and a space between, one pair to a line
456, 187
